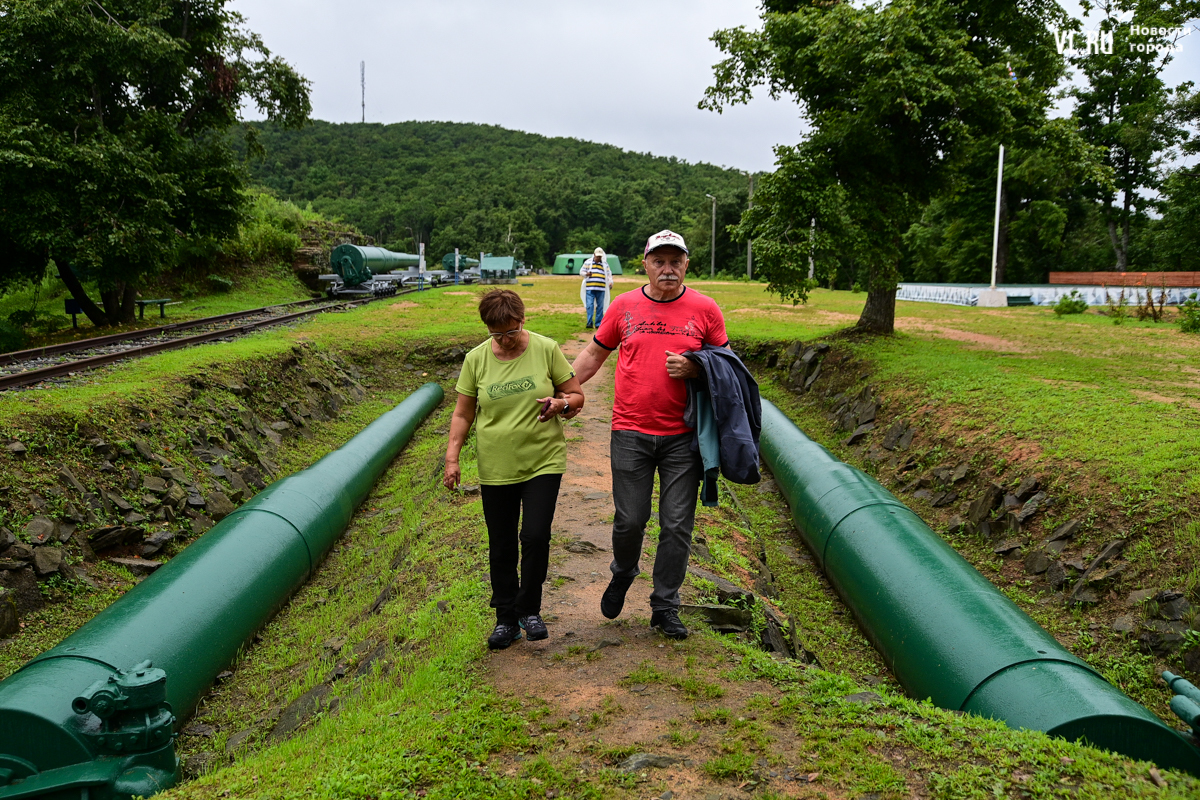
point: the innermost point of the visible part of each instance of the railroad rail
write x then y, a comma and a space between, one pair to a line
26, 377
44, 351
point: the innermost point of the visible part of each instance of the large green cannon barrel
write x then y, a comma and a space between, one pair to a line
92, 718
463, 262
944, 630
356, 264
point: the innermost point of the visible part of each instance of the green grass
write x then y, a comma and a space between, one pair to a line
425, 721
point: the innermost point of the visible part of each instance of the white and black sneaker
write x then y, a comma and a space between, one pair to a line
535, 629
504, 634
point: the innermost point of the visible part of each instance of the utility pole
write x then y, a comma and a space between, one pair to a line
996, 227
749, 254
712, 271
993, 297
362, 79
812, 245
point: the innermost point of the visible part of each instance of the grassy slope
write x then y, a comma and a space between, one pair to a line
446, 724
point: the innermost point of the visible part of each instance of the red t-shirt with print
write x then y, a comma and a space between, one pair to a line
647, 399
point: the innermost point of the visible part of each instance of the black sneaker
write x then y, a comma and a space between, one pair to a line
613, 599
505, 634
666, 621
535, 629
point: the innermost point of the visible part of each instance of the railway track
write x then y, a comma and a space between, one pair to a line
28, 367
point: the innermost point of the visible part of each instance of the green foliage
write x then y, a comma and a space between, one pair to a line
1046, 160
1070, 304
270, 231
113, 158
1189, 315
219, 283
730, 765
1118, 307
36, 318
1125, 107
895, 93
12, 337
856, 288
484, 188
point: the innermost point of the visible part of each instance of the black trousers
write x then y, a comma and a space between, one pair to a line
518, 517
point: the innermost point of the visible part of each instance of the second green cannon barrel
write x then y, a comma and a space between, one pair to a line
357, 264
944, 630
93, 717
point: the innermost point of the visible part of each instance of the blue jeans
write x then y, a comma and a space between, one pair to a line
635, 458
594, 299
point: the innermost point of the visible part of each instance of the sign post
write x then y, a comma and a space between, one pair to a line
420, 266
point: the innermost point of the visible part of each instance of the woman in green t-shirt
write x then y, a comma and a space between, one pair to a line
512, 387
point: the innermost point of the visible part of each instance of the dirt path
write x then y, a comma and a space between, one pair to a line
603, 690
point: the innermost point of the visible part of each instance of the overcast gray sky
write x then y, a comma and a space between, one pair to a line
624, 72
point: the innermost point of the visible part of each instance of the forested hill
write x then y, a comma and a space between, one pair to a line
485, 188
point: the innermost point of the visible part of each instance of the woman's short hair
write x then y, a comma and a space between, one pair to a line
501, 306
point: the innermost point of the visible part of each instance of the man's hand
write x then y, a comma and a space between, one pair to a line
680, 367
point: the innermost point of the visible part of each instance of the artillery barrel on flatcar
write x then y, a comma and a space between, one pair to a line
358, 264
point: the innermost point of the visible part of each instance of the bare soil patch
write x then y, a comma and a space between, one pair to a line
980, 340
558, 308
1162, 398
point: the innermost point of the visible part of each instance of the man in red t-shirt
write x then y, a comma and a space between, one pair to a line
652, 326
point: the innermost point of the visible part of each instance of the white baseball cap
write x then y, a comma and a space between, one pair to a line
599, 252
665, 239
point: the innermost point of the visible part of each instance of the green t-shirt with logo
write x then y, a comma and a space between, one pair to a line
512, 445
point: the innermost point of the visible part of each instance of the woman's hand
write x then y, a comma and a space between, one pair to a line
575, 411
452, 476
551, 408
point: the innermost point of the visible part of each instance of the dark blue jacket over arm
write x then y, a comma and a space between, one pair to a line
731, 391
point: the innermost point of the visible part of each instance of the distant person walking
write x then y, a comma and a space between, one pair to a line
596, 285
512, 387
652, 327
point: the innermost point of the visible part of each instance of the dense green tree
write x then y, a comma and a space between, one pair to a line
113, 158
1177, 234
1046, 167
894, 94
1125, 106
484, 188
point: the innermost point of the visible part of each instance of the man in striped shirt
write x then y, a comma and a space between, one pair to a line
597, 281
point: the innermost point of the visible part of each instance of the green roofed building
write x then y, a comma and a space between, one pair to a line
498, 269
571, 263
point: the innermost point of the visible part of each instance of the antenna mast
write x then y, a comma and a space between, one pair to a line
362, 79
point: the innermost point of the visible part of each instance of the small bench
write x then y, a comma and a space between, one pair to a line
160, 302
